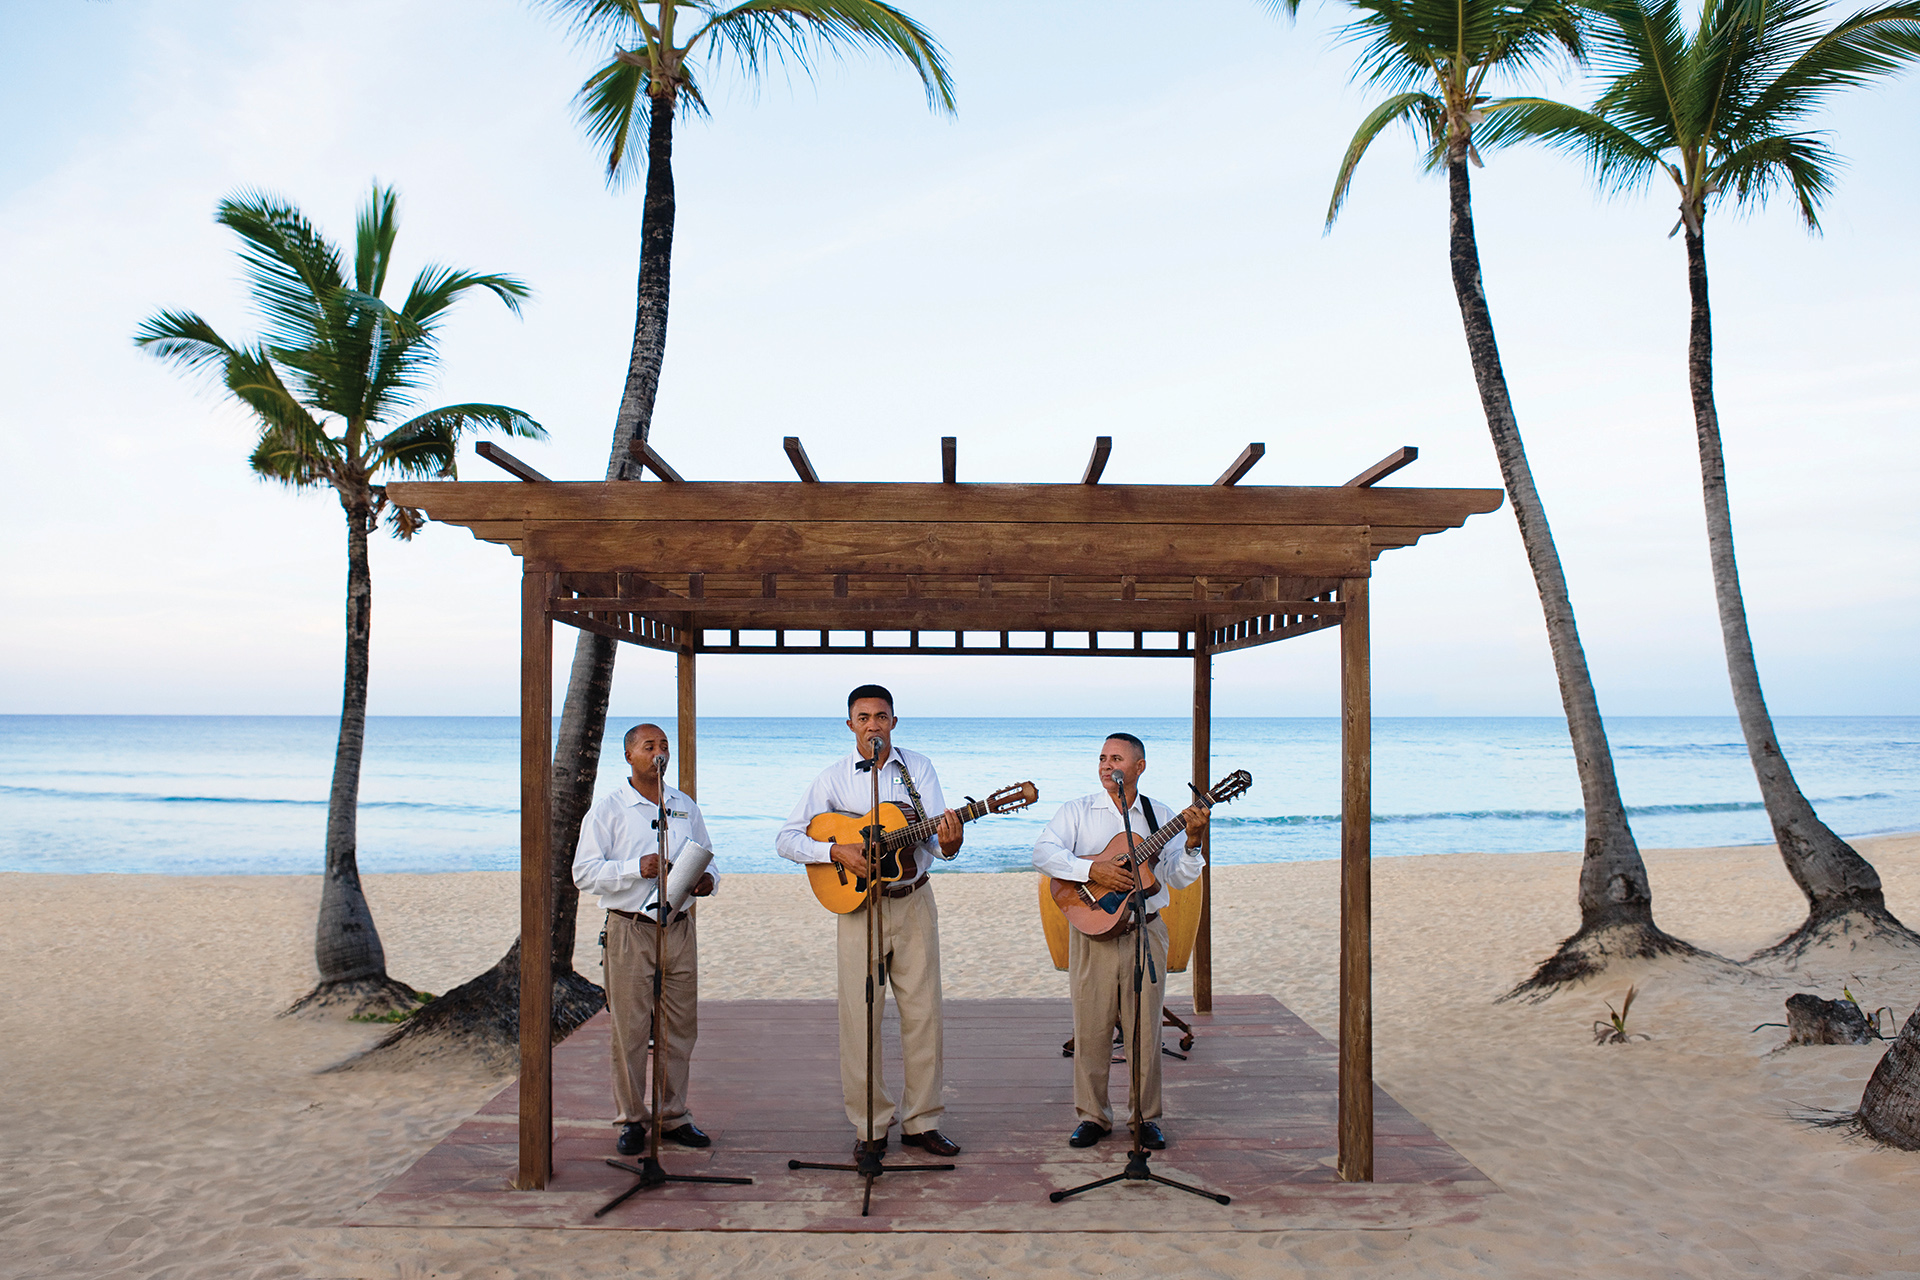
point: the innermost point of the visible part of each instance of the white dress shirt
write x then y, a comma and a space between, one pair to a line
1085, 826
841, 788
619, 831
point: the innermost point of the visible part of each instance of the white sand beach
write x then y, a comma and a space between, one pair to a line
158, 1120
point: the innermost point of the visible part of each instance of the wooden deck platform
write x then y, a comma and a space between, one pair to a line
1249, 1114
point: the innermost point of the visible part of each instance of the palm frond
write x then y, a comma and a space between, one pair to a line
1420, 112
1802, 163
436, 288
613, 106
426, 445
1619, 160
756, 30
183, 338
290, 267
373, 240
293, 448
1870, 44
603, 22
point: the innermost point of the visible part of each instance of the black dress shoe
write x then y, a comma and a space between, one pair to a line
1150, 1136
1086, 1133
687, 1135
932, 1141
633, 1139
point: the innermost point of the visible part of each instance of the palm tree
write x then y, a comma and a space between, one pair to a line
1720, 109
333, 371
1435, 59
650, 74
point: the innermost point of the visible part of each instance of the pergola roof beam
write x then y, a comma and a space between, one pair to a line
1241, 465
801, 464
1382, 469
949, 460
1102, 446
643, 453
508, 463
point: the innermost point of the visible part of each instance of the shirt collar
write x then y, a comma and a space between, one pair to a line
630, 795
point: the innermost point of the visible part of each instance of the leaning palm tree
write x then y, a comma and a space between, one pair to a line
655, 51
1720, 107
331, 385
1436, 59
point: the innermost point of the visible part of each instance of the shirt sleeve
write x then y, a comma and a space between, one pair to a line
1053, 852
793, 843
1182, 869
595, 868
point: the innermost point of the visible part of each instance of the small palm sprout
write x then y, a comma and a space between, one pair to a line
1614, 1029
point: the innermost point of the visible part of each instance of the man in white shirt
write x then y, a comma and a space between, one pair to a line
1100, 970
618, 858
909, 954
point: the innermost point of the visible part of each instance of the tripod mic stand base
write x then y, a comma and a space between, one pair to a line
1137, 1170
652, 1175
867, 1164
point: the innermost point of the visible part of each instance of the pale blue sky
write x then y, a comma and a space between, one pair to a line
1110, 238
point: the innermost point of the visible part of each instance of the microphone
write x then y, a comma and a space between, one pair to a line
1119, 781
660, 764
873, 756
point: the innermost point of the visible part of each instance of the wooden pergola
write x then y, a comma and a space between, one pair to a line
1083, 570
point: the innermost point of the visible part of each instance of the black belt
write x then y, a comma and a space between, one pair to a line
1128, 927
642, 916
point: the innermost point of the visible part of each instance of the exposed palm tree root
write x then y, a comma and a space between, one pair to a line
479, 1021
1846, 927
365, 998
1590, 952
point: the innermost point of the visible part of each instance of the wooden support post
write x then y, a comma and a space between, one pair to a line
536, 882
686, 729
1356, 887
1202, 964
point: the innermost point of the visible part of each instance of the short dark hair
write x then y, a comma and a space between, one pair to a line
1138, 745
626, 743
870, 691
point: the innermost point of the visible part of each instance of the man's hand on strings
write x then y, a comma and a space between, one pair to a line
950, 833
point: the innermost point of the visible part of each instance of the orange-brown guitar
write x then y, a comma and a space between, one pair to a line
841, 891
1103, 915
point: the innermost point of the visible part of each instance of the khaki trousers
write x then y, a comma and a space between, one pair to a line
909, 950
629, 973
1100, 975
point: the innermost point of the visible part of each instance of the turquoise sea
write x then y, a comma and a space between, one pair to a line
207, 795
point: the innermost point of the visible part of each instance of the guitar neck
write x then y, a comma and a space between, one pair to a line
914, 832
1149, 848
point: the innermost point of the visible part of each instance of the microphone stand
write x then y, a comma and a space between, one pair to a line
867, 1161
650, 1171
1137, 1169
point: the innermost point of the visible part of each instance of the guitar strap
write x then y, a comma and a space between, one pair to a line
919, 805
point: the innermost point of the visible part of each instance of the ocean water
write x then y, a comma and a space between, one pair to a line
207, 795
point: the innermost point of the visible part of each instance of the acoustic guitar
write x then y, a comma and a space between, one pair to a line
1104, 915
841, 891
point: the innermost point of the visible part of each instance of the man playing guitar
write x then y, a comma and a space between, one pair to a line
1100, 970
909, 922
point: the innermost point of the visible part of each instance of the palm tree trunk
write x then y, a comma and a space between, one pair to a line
346, 946
483, 1015
1890, 1106
1842, 888
1616, 906
583, 715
